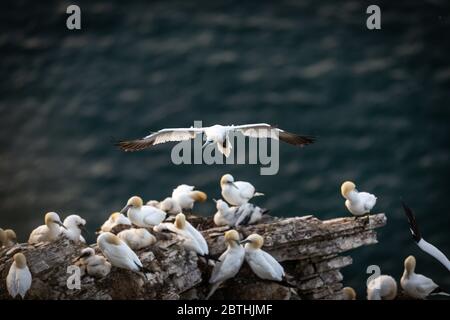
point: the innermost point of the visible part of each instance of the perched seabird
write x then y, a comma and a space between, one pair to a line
143, 216
96, 265
237, 193
216, 134
242, 215
170, 206
263, 264
185, 196
229, 262
382, 288
8, 238
74, 225
416, 285
19, 277
348, 293
119, 253
137, 239
115, 219
191, 238
358, 203
424, 245
48, 232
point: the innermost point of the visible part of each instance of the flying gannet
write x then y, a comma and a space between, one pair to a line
216, 134
18, 281
242, 215
229, 262
358, 203
237, 193
424, 245
48, 232
416, 285
382, 288
142, 215
263, 264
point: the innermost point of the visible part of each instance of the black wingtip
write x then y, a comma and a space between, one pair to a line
412, 222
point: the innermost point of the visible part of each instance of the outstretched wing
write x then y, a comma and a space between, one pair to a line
264, 130
162, 136
412, 222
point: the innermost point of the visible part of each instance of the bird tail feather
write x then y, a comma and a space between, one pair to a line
258, 194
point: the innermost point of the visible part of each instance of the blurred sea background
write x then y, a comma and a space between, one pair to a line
377, 100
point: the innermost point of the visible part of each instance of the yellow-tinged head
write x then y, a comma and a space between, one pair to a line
10, 235
199, 196
2, 237
254, 240
51, 218
135, 202
180, 221
114, 216
110, 238
20, 260
349, 293
232, 236
226, 178
347, 187
410, 264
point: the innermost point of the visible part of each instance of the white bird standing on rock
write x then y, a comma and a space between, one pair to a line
230, 262
49, 232
8, 238
424, 245
115, 219
382, 288
96, 265
137, 239
216, 134
263, 264
74, 225
119, 253
143, 216
358, 203
243, 215
191, 238
18, 281
237, 193
416, 285
185, 196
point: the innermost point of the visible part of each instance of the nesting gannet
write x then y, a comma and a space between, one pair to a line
185, 196
348, 293
416, 285
143, 216
358, 203
115, 219
19, 277
237, 193
48, 232
7, 237
245, 214
170, 206
191, 238
137, 238
96, 265
74, 225
118, 252
229, 262
216, 134
382, 288
263, 264
424, 245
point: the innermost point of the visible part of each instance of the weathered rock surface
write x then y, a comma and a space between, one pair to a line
307, 248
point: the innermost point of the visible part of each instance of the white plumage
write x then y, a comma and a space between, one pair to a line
115, 219
137, 239
143, 216
118, 252
237, 193
49, 232
358, 203
245, 214
263, 264
382, 288
185, 196
95, 265
74, 224
18, 280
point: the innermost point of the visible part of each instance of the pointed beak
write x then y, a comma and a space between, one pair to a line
60, 224
244, 241
215, 200
238, 242
125, 209
81, 256
234, 185
83, 229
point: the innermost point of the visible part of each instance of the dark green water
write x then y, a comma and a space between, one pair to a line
378, 100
